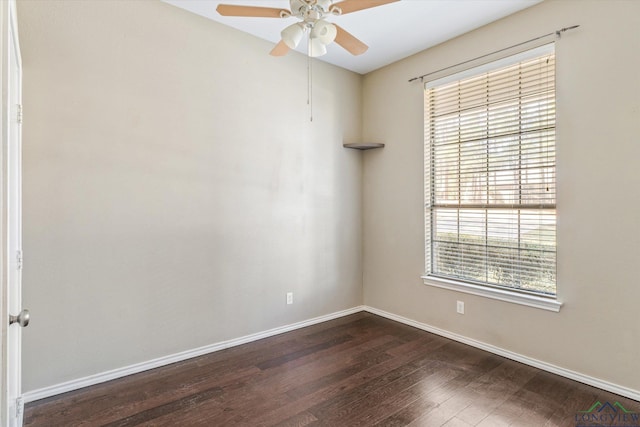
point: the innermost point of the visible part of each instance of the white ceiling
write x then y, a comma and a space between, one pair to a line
392, 31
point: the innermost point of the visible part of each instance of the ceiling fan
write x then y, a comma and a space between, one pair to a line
311, 15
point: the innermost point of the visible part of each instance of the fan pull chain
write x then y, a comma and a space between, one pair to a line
309, 81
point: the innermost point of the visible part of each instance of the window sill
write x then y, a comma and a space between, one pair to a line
499, 294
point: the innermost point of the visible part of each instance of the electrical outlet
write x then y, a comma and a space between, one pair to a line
289, 297
460, 307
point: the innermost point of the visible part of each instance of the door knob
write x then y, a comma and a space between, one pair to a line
21, 319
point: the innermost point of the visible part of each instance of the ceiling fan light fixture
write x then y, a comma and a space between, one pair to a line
311, 14
292, 35
324, 31
317, 48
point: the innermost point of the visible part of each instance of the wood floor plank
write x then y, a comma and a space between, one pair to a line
280, 360
434, 398
323, 395
188, 402
358, 370
491, 390
306, 375
376, 407
362, 408
298, 420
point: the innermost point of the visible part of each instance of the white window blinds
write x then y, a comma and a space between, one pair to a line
490, 175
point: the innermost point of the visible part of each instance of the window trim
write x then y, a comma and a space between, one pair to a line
551, 302
545, 303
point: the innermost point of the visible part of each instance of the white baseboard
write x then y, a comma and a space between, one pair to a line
72, 385
113, 374
595, 382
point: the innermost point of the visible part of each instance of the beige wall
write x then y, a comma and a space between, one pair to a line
597, 332
174, 187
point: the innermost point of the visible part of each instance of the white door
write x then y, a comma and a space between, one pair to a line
14, 316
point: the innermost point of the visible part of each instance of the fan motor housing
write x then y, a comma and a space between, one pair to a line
309, 10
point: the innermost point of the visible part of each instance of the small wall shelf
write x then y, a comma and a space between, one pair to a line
364, 145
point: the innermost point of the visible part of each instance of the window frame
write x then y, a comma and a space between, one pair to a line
523, 297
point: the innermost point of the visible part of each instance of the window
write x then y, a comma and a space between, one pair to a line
490, 178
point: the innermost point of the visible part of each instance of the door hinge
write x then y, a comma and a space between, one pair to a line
19, 408
19, 114
19, 260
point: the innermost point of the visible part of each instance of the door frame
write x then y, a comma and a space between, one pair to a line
11, 406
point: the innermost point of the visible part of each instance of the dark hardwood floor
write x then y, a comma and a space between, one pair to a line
359, 370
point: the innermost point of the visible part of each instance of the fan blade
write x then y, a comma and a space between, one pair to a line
280, 49
349, 42
251, 11
348, 6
